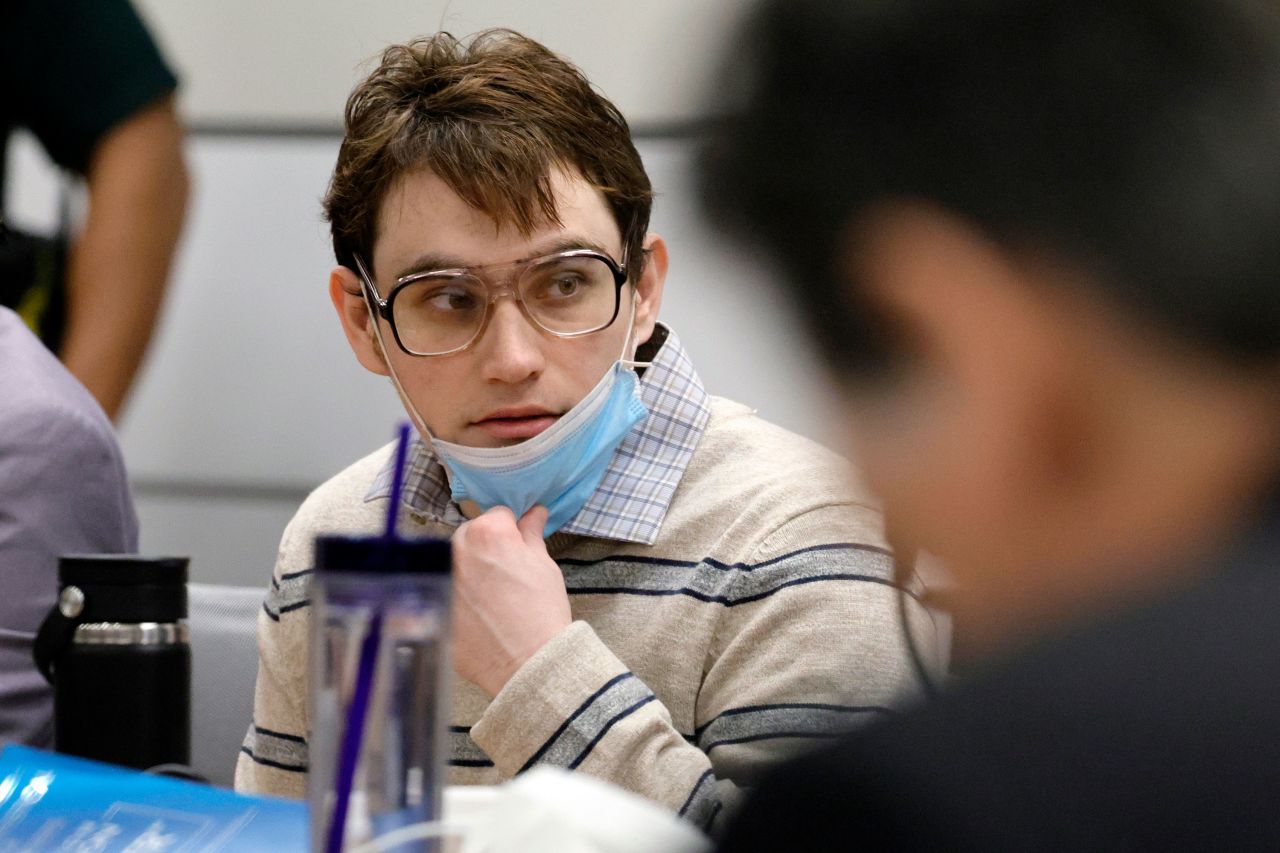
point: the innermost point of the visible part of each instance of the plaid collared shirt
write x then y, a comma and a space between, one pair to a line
632, 499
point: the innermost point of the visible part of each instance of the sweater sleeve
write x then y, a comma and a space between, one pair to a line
808, 646
274, 756
575, 705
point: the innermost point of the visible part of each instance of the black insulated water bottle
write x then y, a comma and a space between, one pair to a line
117, 651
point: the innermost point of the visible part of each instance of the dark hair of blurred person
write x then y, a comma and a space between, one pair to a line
1037, 243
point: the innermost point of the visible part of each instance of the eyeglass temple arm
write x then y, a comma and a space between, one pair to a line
370, 292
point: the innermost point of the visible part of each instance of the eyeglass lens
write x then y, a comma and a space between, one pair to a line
565, 295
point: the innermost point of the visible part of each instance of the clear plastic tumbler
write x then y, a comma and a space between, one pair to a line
379, 688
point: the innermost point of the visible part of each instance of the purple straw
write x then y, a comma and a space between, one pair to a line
397, 480
353, 734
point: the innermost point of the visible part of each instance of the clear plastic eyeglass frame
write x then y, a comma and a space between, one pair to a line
384, 308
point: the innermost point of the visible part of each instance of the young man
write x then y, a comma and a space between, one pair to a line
669, 593
1043, 236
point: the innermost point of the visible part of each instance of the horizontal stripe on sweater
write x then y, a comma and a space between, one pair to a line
731, 585
290, 592
784, 720
276, 749
711, 581
703, 804
465, 752
574, 740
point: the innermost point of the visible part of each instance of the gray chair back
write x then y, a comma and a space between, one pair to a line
224, 670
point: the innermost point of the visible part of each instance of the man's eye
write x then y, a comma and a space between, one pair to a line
449, 300
565, 286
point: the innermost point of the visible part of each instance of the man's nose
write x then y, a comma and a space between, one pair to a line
511, 348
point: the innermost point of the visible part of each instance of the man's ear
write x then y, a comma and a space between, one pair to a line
649, 287
357, 324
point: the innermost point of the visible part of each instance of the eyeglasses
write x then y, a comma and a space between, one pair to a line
567, 294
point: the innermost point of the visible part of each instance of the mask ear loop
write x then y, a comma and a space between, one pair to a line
366, 288
626, 343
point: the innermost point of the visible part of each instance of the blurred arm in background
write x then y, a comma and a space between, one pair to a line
103, 109
119, 264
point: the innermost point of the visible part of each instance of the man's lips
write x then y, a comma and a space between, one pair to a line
516, 423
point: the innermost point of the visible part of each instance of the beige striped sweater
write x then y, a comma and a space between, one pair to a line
761, 620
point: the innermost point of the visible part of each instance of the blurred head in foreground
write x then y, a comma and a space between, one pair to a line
1038, 243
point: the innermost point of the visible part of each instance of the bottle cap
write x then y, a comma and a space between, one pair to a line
123, 587
383, 555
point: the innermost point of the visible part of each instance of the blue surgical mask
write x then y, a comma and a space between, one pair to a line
560, 467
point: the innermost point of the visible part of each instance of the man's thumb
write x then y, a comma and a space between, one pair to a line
532, 524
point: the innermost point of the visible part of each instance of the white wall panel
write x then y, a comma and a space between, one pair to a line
250, 379
229, 541
296, 60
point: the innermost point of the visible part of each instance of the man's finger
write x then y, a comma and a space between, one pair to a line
533, 523
500, 511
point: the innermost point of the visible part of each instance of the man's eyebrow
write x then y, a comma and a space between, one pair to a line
431, 261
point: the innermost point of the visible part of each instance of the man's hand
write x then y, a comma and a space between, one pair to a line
508, 595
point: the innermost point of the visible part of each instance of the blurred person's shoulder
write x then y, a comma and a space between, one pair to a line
44, 404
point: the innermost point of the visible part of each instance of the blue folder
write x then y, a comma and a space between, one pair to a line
57, 803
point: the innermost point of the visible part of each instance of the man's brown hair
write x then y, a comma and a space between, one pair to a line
491, 118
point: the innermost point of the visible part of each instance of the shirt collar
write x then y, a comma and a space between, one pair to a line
632, 499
